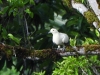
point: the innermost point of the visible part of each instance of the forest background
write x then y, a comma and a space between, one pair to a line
26, 46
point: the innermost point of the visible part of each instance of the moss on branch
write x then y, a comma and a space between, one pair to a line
67, 3
45, 53
22, 52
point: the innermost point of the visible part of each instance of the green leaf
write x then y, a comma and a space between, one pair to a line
4, 33
17, 40
89, 40
15, 12
10, 11
5, 9
32, 2
82, 1
29, 12
0, 1
74, 33
97, 32
71, 22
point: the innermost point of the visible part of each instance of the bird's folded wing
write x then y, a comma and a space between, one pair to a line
64, 37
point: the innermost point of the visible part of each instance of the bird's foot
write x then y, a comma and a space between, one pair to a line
58, 48
61, 49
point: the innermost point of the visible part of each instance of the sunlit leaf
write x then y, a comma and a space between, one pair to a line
82, 1
97, 32
29, 12
15, 39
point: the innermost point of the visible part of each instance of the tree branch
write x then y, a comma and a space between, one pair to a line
22, 52
92, 14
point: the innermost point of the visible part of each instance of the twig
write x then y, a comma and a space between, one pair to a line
95, 70
84, 72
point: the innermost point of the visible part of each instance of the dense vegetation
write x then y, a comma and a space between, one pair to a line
26, 23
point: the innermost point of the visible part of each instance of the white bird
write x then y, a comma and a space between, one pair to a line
59, 38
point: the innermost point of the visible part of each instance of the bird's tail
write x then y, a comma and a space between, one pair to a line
67, 44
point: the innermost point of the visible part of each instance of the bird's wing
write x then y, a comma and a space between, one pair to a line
64, 37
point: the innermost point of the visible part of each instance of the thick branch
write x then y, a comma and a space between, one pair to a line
48, 53
92, 14
95, 8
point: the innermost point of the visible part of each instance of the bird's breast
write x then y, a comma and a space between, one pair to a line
56, 39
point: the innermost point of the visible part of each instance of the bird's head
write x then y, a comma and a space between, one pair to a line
53, 31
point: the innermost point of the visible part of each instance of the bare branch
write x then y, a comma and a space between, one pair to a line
84, 72
95, 70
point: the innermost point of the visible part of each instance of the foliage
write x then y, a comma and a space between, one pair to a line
9, 71
17, 40
27, 22
76, 66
